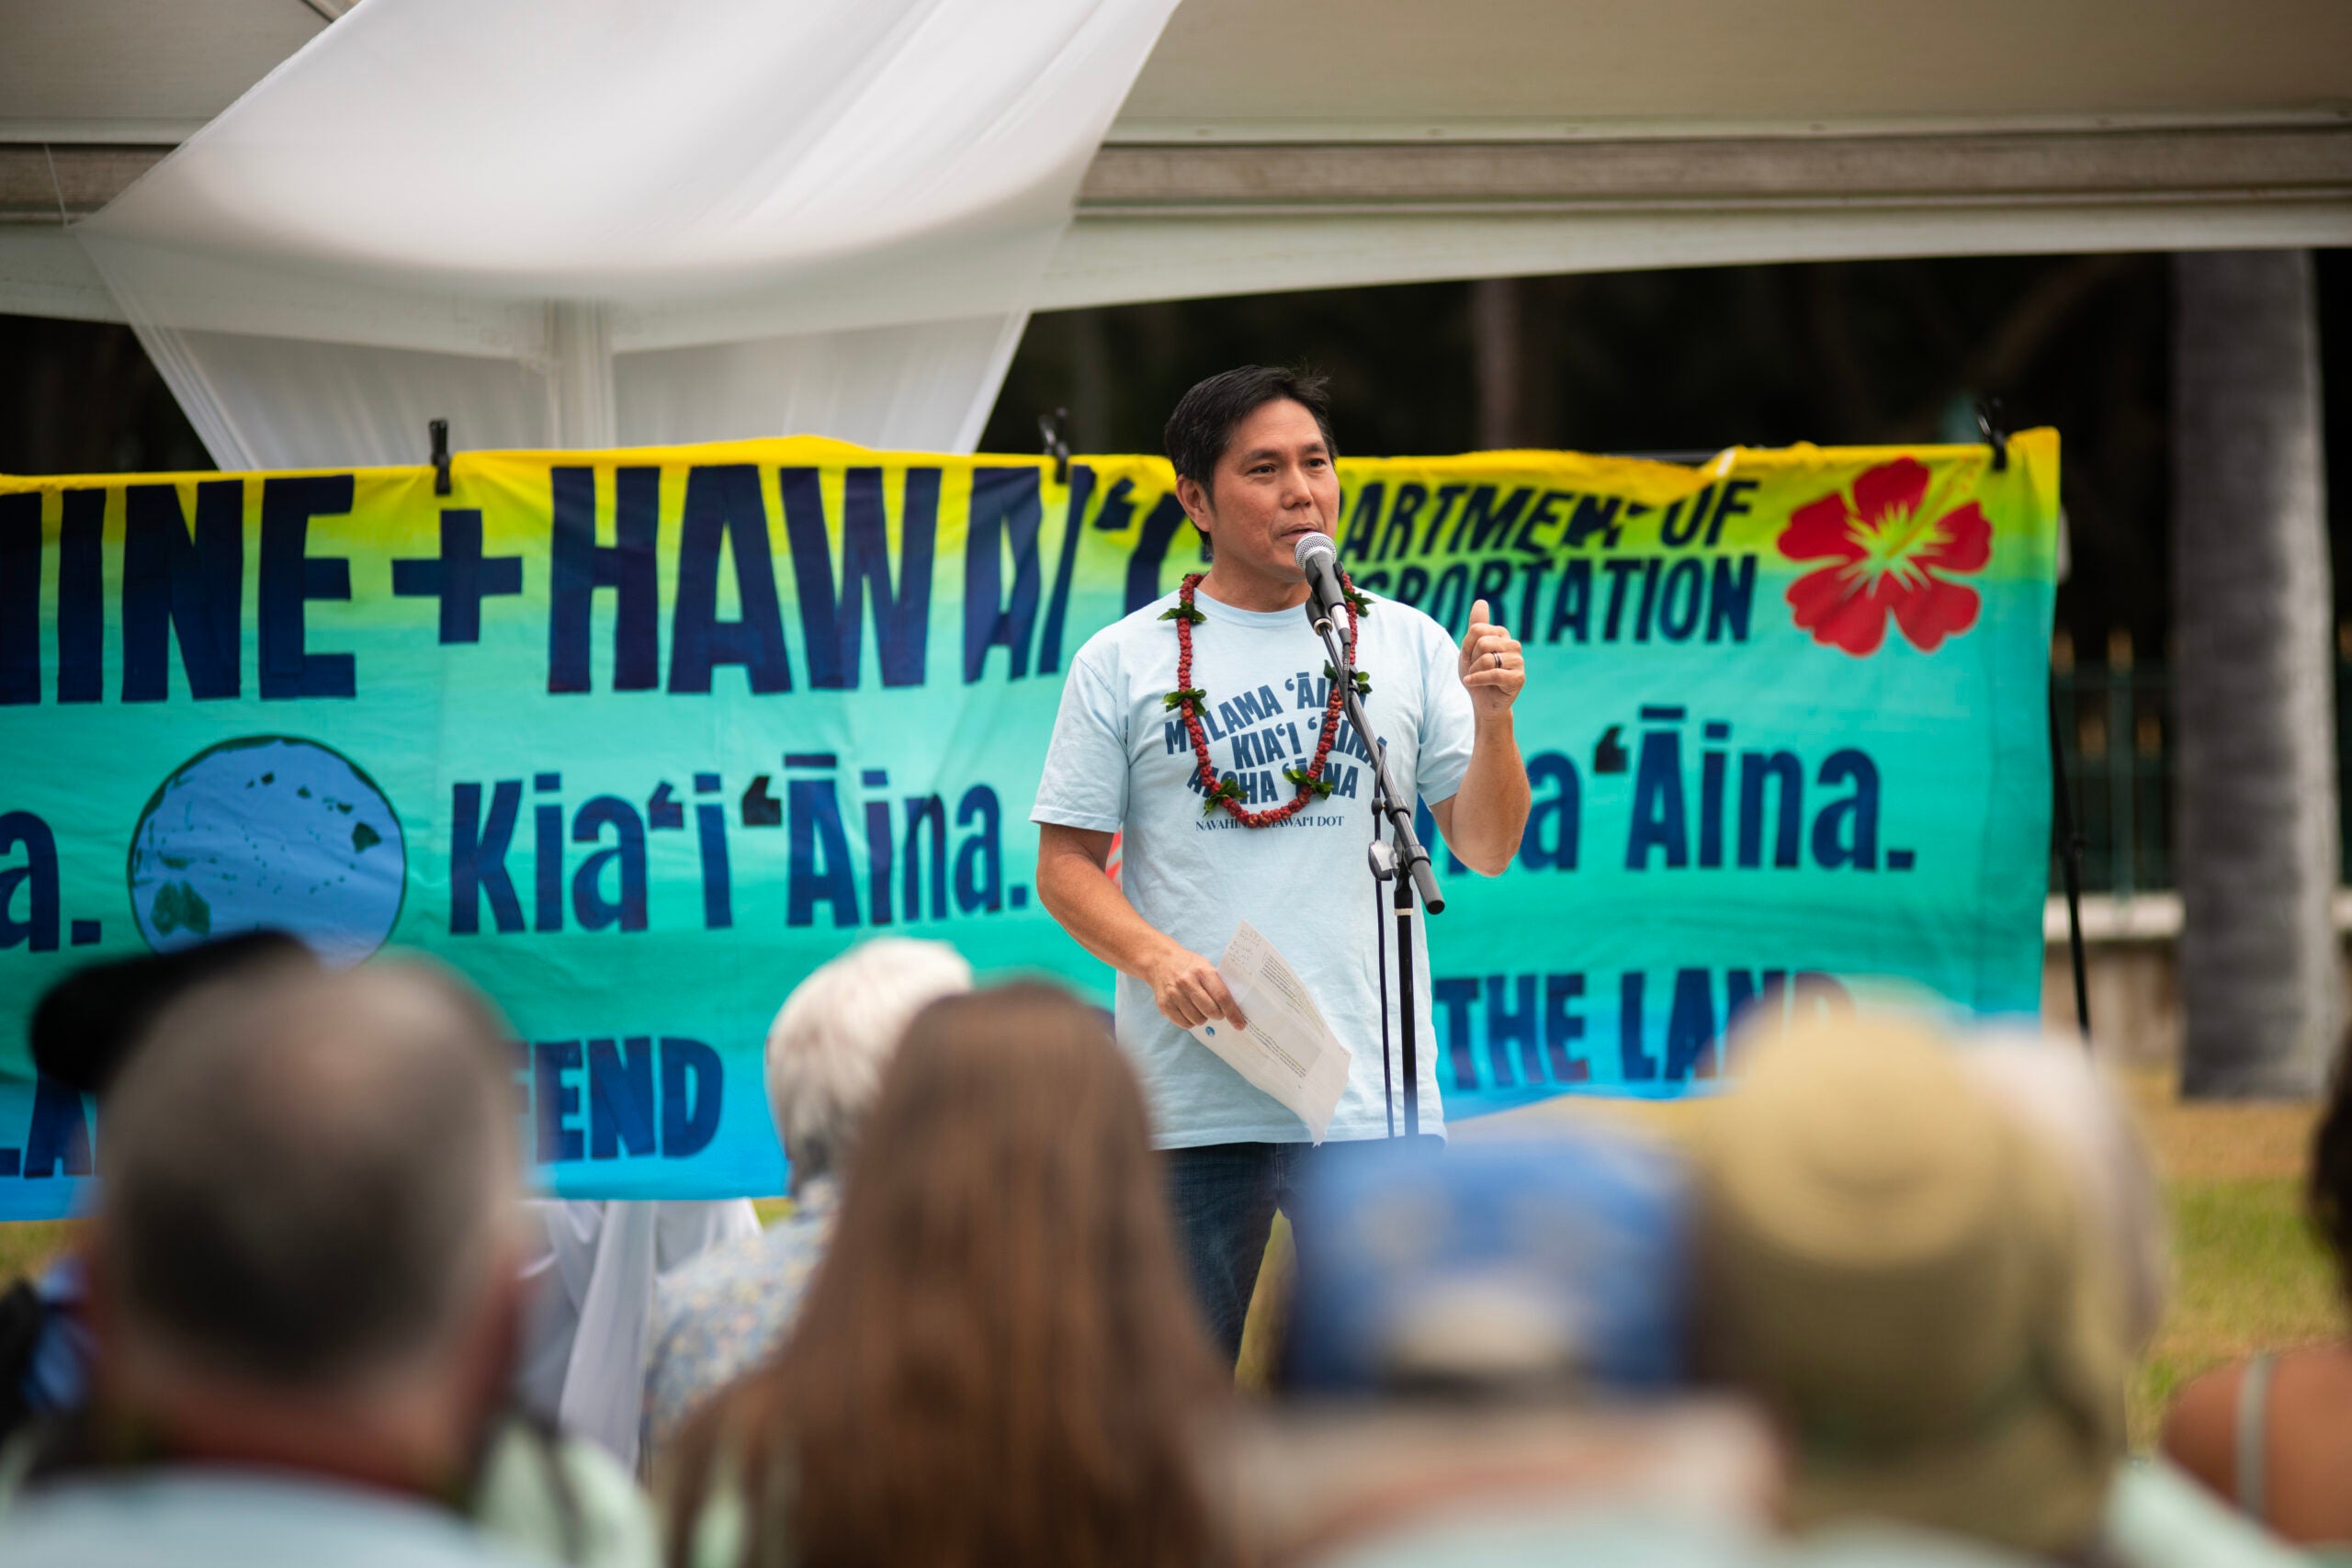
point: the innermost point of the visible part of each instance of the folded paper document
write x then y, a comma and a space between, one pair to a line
1288, 1051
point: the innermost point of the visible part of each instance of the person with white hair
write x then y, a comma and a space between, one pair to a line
722, 1314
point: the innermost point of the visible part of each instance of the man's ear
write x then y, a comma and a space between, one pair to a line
1195, 500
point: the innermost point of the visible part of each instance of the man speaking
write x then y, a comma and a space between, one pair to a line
1223, 680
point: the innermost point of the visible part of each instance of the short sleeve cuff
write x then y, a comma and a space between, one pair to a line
1444, 783
1066, 816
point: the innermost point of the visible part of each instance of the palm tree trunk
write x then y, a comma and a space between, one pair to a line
2253, 686
1495, 334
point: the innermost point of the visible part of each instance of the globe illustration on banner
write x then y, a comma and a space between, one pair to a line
270, 830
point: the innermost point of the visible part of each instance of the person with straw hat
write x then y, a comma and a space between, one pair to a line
1900, 1274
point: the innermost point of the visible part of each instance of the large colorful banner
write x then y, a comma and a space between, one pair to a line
636, 739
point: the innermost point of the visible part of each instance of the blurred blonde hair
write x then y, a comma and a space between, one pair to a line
1000, 1360
2071, 1108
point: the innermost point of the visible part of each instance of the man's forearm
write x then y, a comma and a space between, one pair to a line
1491, 810
1082, 897
1076, 891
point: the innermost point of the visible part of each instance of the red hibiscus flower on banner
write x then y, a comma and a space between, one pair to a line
1889, 553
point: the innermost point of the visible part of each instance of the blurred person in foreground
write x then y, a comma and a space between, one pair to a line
727, 1310
999, 1360
2273, 1434
303, 1296
84, 1028
2156, 1515
1485, 1364
583, 1262
1905, 1279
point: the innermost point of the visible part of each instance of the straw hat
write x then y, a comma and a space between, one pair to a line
1900, 1272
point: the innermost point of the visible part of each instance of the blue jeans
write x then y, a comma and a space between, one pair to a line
1224, 1196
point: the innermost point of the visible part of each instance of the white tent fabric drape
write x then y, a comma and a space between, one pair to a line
588, 1330
594, 222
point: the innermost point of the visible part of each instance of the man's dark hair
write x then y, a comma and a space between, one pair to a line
1201, 427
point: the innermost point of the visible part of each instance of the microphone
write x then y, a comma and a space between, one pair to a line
1319, 559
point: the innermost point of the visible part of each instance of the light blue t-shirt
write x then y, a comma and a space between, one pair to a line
1121, 763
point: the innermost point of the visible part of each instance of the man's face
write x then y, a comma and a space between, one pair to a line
1274, 484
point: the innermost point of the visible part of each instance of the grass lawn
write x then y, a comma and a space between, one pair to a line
2248, 1273
25, 1245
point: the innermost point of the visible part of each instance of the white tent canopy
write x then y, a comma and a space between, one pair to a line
127, 71
589, 222
1271, 144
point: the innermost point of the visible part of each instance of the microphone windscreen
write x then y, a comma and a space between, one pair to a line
1311, 545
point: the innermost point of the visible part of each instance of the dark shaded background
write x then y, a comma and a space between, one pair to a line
1685, 360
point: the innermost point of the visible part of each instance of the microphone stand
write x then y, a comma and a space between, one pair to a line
1402, 862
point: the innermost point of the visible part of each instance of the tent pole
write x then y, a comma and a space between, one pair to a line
2070, 860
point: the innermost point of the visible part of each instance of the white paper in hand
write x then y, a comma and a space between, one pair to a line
1288, 1051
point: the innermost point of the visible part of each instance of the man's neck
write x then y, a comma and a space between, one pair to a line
1241, 589
391, 1444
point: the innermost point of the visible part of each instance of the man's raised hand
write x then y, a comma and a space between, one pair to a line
1492, 668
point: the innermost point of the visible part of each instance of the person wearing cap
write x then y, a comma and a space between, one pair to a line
1485, 1364
1934, 1259
1550, 1263
1512, 1333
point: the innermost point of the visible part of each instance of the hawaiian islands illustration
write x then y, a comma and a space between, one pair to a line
269, 830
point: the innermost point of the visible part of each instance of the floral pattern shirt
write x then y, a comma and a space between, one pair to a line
728, 1310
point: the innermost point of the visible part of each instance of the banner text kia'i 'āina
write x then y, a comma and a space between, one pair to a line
637, 739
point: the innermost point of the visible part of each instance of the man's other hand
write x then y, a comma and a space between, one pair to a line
1492, 666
